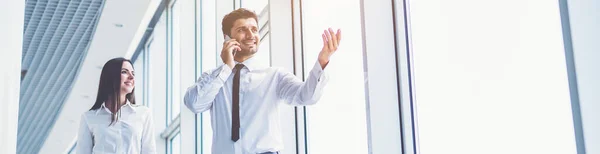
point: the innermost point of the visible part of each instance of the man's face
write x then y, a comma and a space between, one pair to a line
245, 31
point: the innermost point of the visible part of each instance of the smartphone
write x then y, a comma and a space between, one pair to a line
227, 38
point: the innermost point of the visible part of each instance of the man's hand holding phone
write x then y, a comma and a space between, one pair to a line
230, 47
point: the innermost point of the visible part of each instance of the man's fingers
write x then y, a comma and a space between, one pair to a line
235, 43
227, 42
325, 45
339, 36
329, 40
333, 39
230, 44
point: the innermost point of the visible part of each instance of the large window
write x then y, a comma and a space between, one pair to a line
337, 123
490, 77
471, 77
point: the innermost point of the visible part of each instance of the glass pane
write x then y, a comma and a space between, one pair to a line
209, 58
156, 73
176, 144
138, 67
490, 77
146, 72
337, 123
169, 64
175, 63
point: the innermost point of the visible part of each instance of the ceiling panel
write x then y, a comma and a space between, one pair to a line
57, 34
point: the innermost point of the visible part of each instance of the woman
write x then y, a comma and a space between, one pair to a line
115, 124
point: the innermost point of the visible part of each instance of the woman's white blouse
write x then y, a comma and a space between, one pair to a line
133, 133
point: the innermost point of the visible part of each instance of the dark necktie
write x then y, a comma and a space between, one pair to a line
235, 104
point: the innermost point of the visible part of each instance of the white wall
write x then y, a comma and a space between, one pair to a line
12, 16
585, 36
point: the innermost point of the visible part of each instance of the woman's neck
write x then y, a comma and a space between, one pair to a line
122, 101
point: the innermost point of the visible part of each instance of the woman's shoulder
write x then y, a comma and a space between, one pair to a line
89, 113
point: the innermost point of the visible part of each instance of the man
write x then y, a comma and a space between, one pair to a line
243, 97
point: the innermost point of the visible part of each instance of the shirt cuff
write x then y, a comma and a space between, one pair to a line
318, 72
224, 72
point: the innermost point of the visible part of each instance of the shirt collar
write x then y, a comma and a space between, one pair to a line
250, 63
126, 105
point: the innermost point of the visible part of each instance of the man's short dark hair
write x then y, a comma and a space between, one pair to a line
230, 18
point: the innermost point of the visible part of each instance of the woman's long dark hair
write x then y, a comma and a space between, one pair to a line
109, 88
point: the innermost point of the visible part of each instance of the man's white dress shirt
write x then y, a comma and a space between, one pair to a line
262, 90
133, 133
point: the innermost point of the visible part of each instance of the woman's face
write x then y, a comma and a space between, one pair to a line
127, 80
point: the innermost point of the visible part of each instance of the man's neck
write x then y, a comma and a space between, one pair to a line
242, 58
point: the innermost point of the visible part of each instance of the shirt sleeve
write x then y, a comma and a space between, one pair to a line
199, 97
148, 135
296, 92
85, 140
